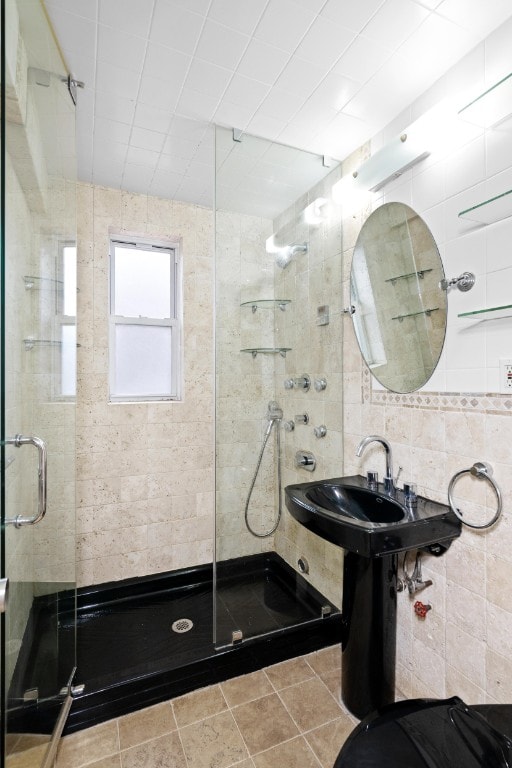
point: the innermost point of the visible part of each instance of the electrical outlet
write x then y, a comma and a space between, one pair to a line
506, 375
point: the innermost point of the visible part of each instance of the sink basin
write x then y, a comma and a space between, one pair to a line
368, 522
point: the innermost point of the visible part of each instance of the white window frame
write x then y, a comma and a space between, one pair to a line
60, 321
174, 323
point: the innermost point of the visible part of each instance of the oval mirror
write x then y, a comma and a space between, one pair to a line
399, 307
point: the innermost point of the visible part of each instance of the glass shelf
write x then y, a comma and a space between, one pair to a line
493, 107
266, 304
490, 211
267, 351
33, 281
427, 312
492, 313
419, 274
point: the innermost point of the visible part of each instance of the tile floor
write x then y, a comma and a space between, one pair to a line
285, 715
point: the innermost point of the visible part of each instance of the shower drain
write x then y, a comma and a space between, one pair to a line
182, 625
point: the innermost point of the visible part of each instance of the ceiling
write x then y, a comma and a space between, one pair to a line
320, 75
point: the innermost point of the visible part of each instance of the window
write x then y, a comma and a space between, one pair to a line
66, 320
144, 321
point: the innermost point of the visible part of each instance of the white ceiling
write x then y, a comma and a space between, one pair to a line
320, 75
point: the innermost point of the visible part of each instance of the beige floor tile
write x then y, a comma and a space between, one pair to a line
164, 752
146, 724
332, 680
327, 740
310, 704
29, 758
114, 761
246, 688
89, 745
289, 672
213, 743
264, 723
325, 660
19, 742
296, 752
199, 704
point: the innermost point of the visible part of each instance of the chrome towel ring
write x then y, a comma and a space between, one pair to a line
482, 471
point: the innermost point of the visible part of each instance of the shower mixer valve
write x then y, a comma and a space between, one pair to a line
299, 382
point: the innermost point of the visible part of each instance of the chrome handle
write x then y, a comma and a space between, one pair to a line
305, 460
302, 418
18, 441
320, 431
320, 384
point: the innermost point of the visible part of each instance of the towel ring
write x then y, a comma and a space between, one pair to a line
482, 471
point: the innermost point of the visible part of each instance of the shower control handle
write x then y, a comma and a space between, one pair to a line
302, 382
289, 425
305, 460
320, 431
302, 418
288, 383
320, 384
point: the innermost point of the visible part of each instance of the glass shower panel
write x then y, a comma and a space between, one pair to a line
38, 382
267, 254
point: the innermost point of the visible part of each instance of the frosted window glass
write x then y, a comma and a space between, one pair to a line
68, 360
142, 286
143, 360
69, 278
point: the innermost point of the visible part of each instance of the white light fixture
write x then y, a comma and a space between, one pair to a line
316, 212
397, 156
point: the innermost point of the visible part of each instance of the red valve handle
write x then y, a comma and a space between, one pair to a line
420, 609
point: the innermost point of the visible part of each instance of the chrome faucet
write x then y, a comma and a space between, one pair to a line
389, 483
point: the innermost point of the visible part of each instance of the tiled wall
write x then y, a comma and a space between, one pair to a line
463, 647
145, 492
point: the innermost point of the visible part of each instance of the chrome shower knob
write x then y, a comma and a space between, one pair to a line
302, 382
320, 431
289, 425
288, 384
320, 384
302, 418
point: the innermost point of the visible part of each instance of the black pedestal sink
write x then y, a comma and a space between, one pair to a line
373, 527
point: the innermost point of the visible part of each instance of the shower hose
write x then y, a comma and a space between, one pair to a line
271, 423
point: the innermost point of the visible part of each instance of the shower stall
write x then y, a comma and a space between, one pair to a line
272, 591
274, 249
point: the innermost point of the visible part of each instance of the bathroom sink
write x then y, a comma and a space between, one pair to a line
369, 522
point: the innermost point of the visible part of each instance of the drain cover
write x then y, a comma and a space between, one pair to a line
182, 625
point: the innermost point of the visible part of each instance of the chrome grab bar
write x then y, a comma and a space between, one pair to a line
18, 441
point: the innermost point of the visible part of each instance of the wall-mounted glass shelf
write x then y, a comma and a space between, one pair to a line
267, 351
419, 274
32, 282
490, 211
493, 107
491, 313
427, 312
266, 304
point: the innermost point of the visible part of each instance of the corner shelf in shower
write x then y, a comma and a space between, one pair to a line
266, 304
255, 351
33, 282
491, 313
490, 211
420, 273
426, 312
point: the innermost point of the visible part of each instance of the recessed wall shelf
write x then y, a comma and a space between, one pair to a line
492, 313
266, 304
419, 274
267, 351
490, 211
427, 312
492, 107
